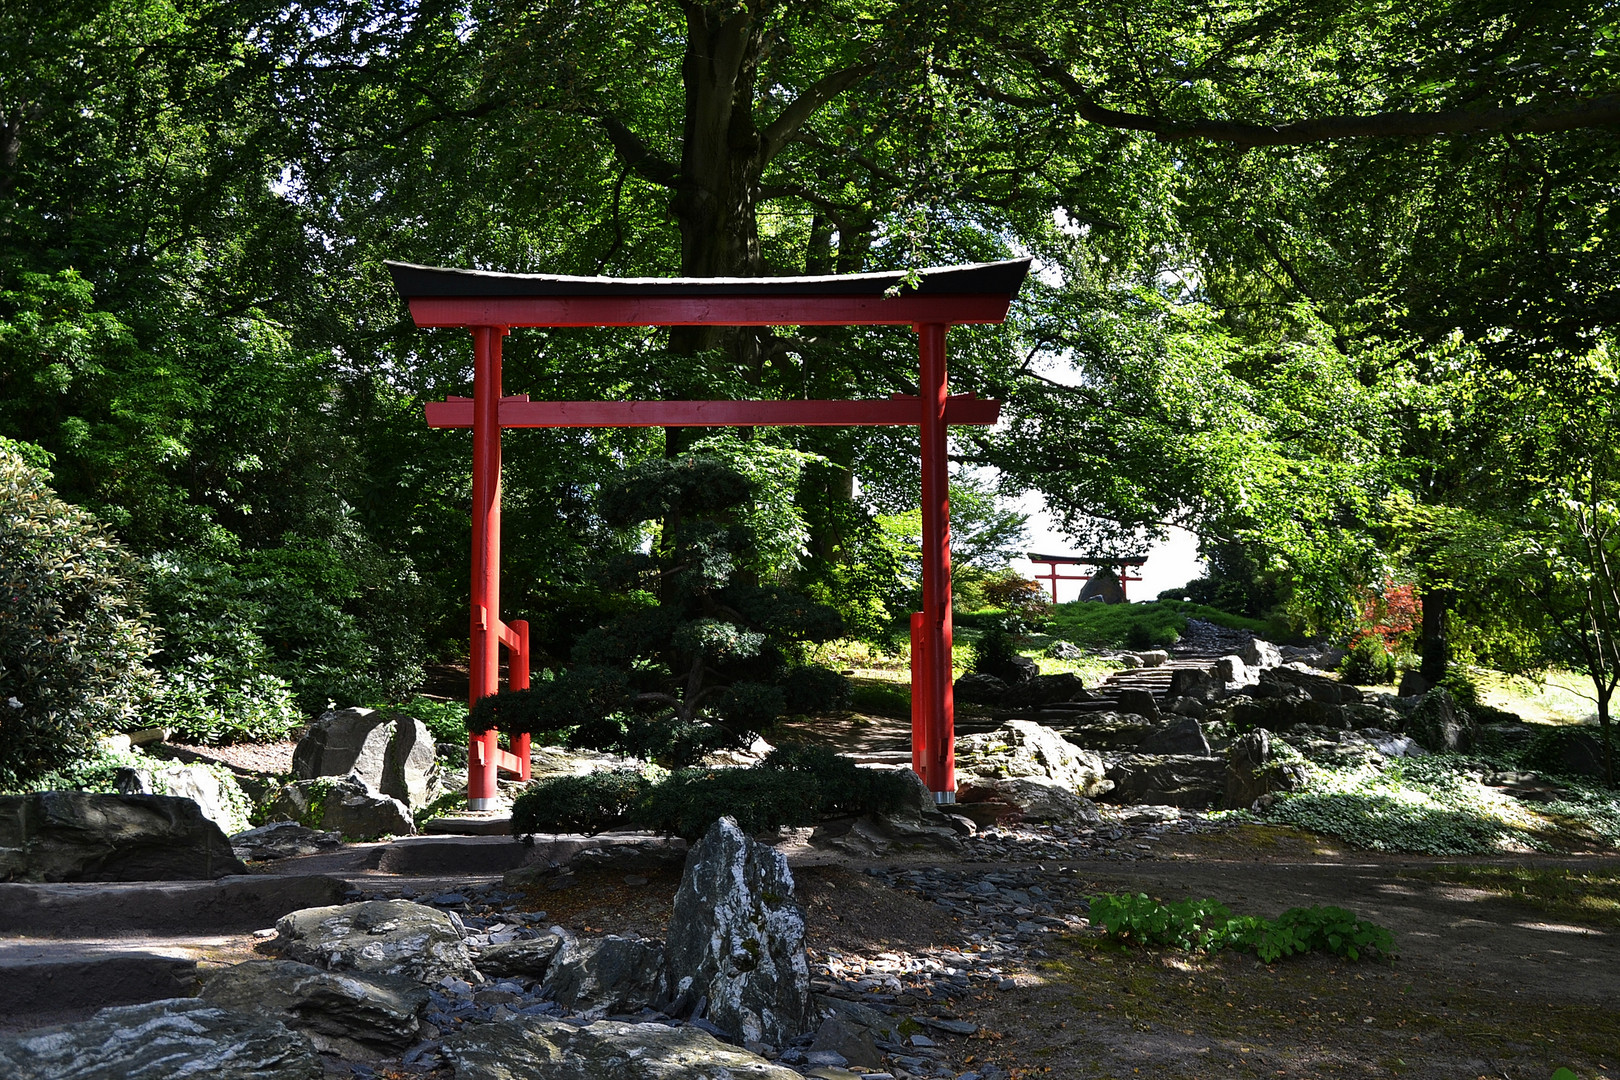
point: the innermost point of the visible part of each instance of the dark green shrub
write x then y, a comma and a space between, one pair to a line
761, 800
1369, 663
586, 804
995, 651
812, 689
73, 642
845, 787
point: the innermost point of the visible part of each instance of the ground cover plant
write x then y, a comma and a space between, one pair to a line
1208, 926
1586, 896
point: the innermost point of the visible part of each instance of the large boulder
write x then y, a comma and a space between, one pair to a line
1169, 780
1035, 800
1257, 766
608, 975
1439, 724
1318, 687
391, 752
736, 937
1044, 690
1196, 682
87, 836
1108, 730
527, 958
283, 840
346, 1013
1104, 587
348, 806
1139, 702
380, 937
175, 1037
214, 790
1185, 736
539, 1048
1285, 713
1023, 749
978, 688
1232, 672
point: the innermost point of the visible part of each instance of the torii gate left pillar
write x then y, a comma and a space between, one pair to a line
488, 304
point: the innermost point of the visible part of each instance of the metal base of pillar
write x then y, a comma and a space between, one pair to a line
483, 804
942, 797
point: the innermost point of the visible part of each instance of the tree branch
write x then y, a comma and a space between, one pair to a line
633, 153
794, 115
1533, 118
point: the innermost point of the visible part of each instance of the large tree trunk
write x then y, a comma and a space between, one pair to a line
1435, 642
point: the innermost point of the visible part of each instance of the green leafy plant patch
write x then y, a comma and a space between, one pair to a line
1208, 926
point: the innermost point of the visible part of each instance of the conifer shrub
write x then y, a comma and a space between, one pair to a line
73, 640
585, 804
1369, 663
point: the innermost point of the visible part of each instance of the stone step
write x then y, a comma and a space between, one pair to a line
226, 905
57, 975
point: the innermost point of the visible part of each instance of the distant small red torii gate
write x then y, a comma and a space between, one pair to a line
490, 304
1052, 562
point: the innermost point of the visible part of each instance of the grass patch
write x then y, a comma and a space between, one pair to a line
1560, 697
1153, 625
1576, 896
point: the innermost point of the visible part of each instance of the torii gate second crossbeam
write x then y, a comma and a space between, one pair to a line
490, 304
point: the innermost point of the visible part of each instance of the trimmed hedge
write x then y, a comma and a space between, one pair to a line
793, 786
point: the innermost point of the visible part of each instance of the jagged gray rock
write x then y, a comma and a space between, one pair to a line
348, 806
392, 752
1023, 749
160, 1040
1319, 687
1139, 702
529, 958
1044, 690
539, 1048
612, 974
1259, 653
1255, 767
383, 937
737, 938
1036, 800
980, 689
1185, 736
1439, 724
88, 836
351, 1014
1108, 730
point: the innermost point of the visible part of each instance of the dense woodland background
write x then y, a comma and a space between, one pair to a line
1334, 285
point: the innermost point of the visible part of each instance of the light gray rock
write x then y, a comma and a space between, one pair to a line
1193, 682
610, 975
1232, 672
539, 1048
219, 797
528, 958
350, 1014
163, 1040
737, 937
283, 840
382, 937
392, 752
1259, 653
1153, 657
348, 806
1023, 749
1064, 650
1108, 730
88, 836
1169, 780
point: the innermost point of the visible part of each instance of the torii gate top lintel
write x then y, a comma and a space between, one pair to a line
950, 295
931, 300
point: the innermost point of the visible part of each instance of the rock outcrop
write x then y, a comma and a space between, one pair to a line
540, 1047
348, 806
1023, 749
347, 1013
86, 836
607, 975
381, 937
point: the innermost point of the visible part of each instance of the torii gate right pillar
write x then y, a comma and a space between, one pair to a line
932, 677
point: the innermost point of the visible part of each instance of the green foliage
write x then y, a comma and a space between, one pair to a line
881, 699
995, 651
1156, 624
73, 641
1369, 663
447, 720
794, 785
1208, 926
589, 804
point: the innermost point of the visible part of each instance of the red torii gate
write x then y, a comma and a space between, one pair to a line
490, 304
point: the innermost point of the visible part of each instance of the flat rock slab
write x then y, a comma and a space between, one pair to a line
225, 905
544, 1049
162, 1040
55, 976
